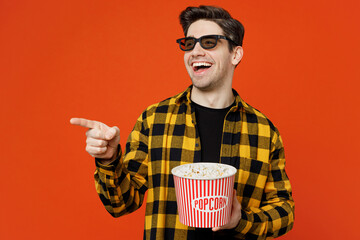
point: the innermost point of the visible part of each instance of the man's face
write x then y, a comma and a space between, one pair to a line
210, 69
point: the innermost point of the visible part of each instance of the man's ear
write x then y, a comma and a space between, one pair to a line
238, 53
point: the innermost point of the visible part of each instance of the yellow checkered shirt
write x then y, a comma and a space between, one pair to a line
165, 136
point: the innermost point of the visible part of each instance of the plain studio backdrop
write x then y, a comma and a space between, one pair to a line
109, 60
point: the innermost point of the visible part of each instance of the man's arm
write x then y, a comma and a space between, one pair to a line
120, 179
275, 216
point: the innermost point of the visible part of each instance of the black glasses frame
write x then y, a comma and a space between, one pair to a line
199, 40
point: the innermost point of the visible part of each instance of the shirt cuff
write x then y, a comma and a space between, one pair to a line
243, 227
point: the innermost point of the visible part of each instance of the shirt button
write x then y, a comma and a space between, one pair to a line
196, 145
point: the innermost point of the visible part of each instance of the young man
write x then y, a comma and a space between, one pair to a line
207, 122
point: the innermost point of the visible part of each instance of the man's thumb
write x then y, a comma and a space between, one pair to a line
110, 134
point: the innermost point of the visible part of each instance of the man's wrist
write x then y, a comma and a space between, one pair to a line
108, 161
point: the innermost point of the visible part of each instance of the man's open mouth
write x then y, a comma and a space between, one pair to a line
201, 66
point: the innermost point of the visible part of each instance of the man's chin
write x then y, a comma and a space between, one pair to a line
203, 87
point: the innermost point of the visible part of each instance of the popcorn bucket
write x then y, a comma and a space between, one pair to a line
204, 193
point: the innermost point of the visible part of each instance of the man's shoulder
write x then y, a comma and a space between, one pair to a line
253, 115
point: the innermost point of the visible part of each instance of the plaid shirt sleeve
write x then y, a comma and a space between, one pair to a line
275, 216
122, 184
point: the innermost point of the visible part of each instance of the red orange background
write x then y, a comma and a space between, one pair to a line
108, 60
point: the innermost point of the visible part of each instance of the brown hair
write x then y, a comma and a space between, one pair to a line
231, 27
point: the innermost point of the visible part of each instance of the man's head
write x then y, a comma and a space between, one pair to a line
210, 61
231, 27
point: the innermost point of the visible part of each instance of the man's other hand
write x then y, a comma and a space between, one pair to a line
235, 215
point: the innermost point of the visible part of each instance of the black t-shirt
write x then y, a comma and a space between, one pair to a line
210, 123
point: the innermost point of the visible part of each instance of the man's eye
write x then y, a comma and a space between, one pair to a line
209, 41
189, 44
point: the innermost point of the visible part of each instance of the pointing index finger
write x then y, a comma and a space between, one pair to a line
84, 122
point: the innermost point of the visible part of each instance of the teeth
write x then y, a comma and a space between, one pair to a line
198, 64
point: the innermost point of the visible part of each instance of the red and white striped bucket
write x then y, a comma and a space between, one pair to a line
204, 203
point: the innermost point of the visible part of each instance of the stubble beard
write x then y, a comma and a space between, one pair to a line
208, 83
204, 85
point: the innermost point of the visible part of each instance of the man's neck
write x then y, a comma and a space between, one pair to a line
221, 98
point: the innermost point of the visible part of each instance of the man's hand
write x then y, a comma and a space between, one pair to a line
235, 215
102, 140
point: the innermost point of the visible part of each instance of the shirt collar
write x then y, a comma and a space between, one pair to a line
184, 97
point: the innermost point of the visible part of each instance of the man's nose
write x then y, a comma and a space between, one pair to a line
198, 50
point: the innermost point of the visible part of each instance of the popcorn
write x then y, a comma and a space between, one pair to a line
204, 170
